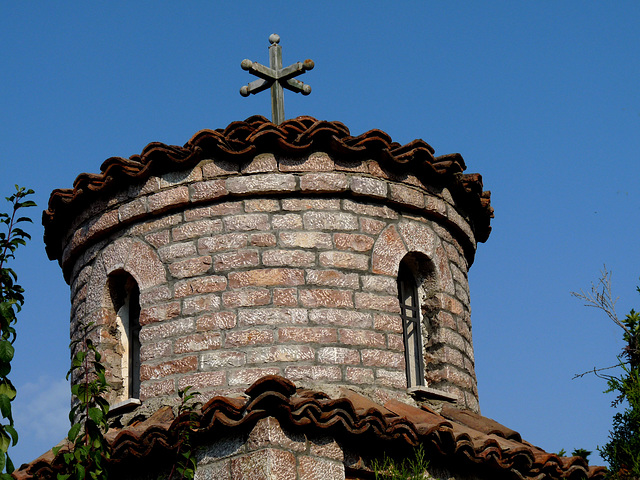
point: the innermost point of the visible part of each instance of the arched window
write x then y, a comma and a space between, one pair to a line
411, 327
125, 296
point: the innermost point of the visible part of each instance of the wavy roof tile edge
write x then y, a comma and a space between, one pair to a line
240, 141
300, 410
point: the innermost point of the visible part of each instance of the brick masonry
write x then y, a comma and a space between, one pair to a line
270, 453
278, 268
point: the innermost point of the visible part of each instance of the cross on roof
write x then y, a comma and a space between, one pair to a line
276, 77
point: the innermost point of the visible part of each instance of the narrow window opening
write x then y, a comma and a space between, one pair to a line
126, 303
411, 327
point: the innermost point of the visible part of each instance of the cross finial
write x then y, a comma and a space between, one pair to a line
276, 77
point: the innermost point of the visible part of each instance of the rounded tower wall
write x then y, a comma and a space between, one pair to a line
276, 265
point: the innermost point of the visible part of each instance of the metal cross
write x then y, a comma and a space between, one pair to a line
276, 77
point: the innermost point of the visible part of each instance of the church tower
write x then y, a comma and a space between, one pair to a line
260, 249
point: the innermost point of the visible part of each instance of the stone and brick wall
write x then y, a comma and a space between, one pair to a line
277, 266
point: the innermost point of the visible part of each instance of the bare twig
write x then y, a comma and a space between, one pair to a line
596, 370
601, 297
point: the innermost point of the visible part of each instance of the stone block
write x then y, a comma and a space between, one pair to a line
197, 342
272, 316
219, 243
347, 260
338, 356
167, 199
166, 329
244, 338
280, 353
353, 241
190, 267
305, 239
380, 283
264, 162
165, 369
247, 222
367, 338
266, 464
222, 359
201, 285
202, 191
316, 162
203, 380
159, 313
307, 335
371, 301
236, 259
313, 373
216, 321
312, 468
262, 239
177, 250
200, 303
369, 186
359, 375
268, 433
382, 358
281, 277
263, 183
161, 388
132, 210
329, 221
210, 211
261, 205
388, 251
303, 204
362, 208
291, 258
156, 350
218, 168
387, 323
333, 278
406, 195
393, 379
324, 297
196, 229
285, 297
324, 182
344, 318
371, 226
288, 221
146, 267
246, 297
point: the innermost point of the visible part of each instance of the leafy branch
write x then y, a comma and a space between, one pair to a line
88, 448
622, 451
11, 301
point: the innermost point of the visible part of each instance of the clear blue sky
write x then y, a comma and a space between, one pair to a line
542, 98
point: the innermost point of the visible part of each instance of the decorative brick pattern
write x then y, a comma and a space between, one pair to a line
242, 275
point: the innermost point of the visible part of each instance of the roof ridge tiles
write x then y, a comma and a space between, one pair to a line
243, 139
277, 397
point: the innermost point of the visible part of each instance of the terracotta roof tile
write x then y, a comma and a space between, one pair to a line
241, 141
351, 417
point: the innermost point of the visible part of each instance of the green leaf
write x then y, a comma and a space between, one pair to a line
6, 351
5, 441
73, 432
10, 467
7, 388
5, 406
14, 434
96, 415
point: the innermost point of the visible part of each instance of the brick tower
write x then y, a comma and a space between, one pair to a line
293, 249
